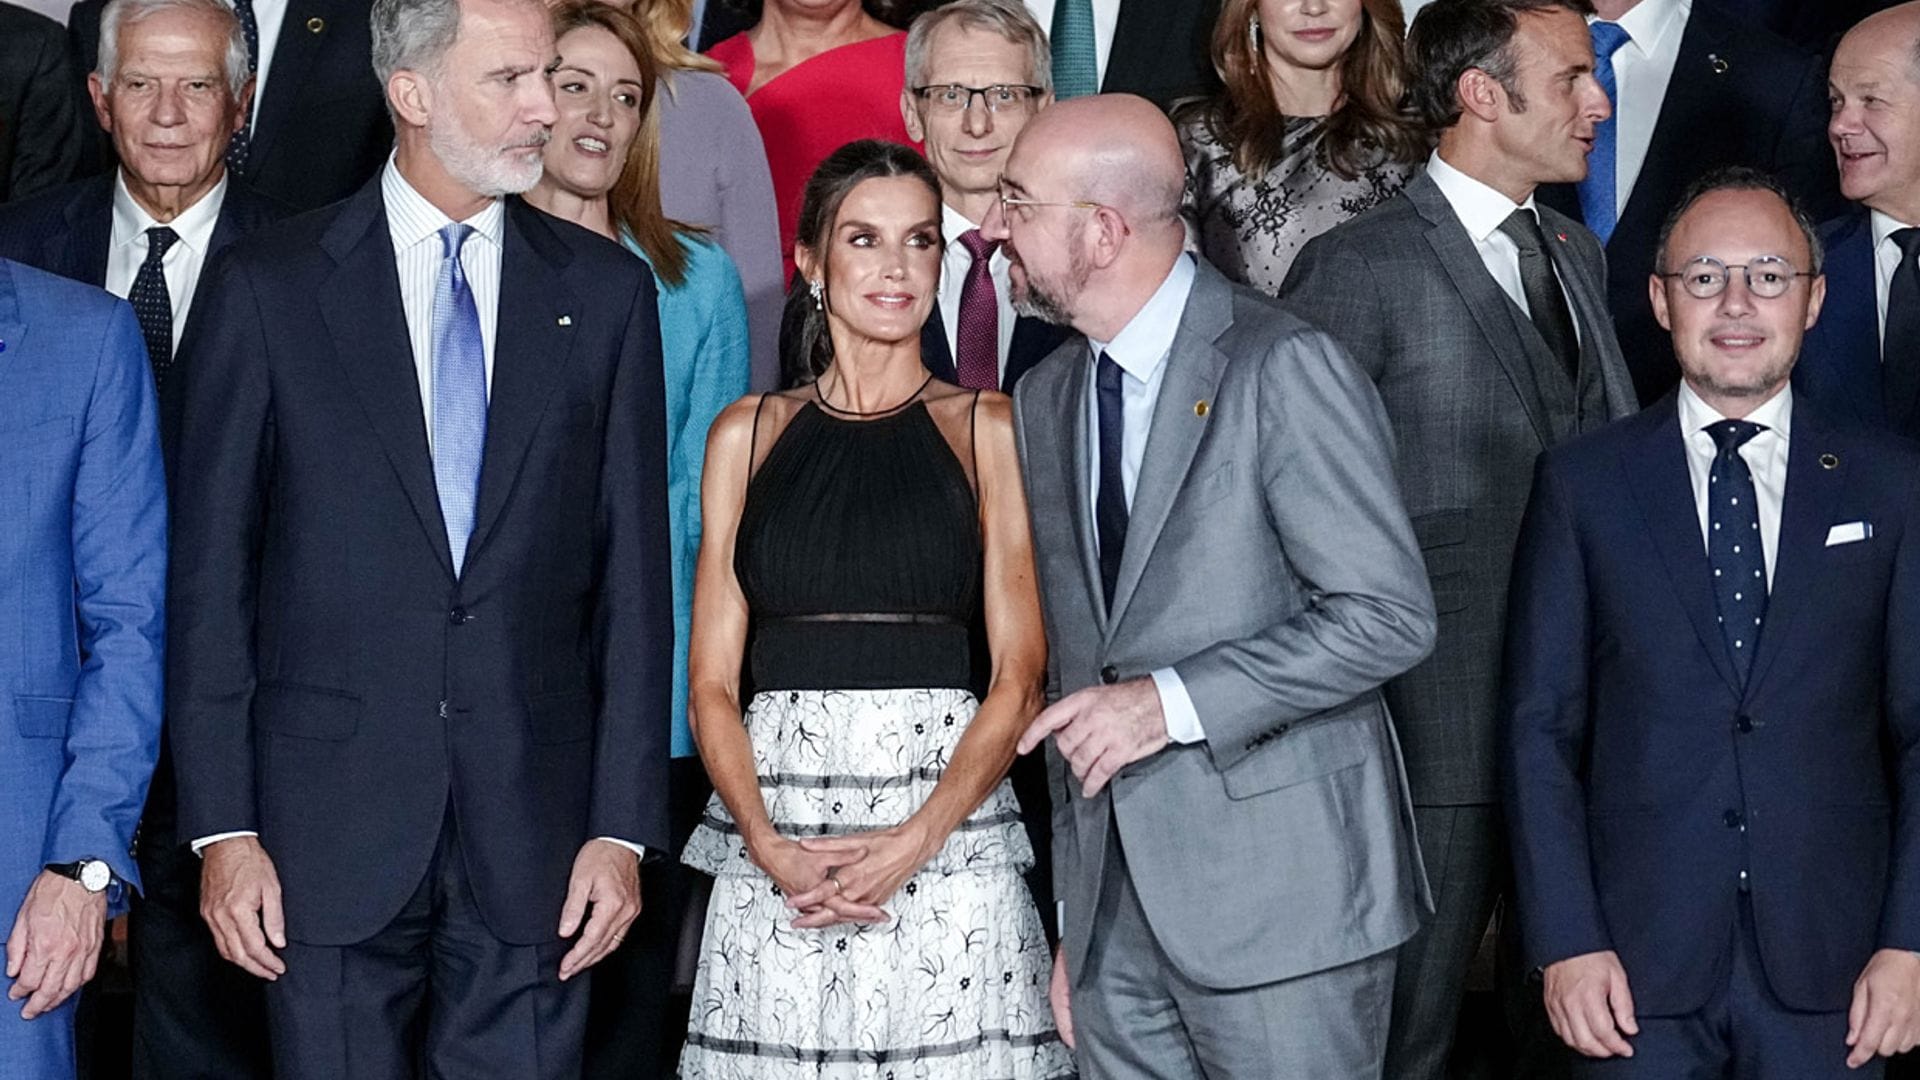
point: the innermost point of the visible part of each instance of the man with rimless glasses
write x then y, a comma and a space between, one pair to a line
1711, 716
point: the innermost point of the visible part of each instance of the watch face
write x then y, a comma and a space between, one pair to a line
95, 875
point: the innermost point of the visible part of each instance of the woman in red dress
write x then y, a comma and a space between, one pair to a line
817, 74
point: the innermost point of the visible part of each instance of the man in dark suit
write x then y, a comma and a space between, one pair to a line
1694, 86
1711, 716
1158, 49
146, 232
1861, 362
41, 123
421, 663
319, 125
1483, 319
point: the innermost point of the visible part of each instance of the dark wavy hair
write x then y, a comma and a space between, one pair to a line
806, 348
1450, 37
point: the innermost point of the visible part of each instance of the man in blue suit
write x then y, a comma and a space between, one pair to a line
1711, 717
1862, 362
83, 569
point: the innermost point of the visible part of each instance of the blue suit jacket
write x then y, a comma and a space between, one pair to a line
1641, 779
1840, 359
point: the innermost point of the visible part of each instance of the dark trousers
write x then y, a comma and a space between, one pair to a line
636, 1023
434, 994
1743, 1033
195, 1016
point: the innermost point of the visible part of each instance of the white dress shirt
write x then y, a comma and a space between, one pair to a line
1106, 15
1642, 68
1141, 349
1765, 455
1481, 210
415, 224
1886, 260
181, 265
269, 16
954, 265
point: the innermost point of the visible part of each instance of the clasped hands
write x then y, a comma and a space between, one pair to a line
240, 901
1591, 1007
1102, 729
832, 880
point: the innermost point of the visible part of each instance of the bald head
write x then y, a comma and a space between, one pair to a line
1874, 85
1114, 149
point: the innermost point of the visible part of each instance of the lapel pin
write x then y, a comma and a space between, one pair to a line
316, 24
1200, 408
1562, 236
1828, 461
1719, 66
565, 320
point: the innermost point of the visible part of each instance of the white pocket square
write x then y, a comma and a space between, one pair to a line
1851, 533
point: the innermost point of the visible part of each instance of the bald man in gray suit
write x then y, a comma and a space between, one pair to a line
1228, 577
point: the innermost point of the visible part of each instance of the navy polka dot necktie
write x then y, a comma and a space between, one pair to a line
242, 140
152, 304
1733, 543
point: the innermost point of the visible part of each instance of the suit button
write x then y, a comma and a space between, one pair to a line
1744, 724
1109, 675
458, 616
1732, 818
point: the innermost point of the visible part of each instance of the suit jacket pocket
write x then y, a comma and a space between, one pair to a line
1294, 755
1210, 488
1442, 536
306, 712
42, 717
560, 718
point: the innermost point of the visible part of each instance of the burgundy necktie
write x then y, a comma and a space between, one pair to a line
977, 351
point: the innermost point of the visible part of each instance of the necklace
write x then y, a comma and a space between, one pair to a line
821, 397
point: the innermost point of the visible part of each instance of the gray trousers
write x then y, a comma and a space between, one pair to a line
1136, 1017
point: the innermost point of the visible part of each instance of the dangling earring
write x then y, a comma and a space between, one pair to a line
1253, 31
817, 291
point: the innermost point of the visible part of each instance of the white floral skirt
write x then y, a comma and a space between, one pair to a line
952, 988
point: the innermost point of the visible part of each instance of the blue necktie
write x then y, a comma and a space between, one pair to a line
1599, 202
242, 140
1076, 63
459, 395
1733, 543
1110, 507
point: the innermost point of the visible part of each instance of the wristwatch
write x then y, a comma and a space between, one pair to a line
94, 875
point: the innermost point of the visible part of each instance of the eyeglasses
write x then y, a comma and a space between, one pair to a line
953, 97
1009, 202
1768, 277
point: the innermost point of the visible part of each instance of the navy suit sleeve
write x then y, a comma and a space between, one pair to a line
633, 616
120, 575
1900, 914
225, 439
1544, 725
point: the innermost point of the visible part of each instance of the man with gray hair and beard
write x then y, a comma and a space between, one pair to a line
422, 650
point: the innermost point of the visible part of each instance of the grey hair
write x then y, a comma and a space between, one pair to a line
1008, 18
121, 14
412, 35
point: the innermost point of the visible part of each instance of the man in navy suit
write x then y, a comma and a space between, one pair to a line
1711, 715
1862, 361
83, 569
419, 681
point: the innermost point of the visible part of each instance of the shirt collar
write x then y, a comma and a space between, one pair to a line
1480, 208
1145, 341
194, 225
1776, 414
1650, 21
411, 219
1884, 226
953, 223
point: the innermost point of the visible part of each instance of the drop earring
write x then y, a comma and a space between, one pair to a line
1253, 31
817, 291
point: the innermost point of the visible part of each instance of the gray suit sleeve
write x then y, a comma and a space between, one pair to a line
1327, 476
1331, 286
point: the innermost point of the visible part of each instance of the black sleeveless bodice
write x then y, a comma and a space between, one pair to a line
874, 525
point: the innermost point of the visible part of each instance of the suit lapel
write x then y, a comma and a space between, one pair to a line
1840, 360
361, 306
531, 349
1194, 368
1033, 340
13, 330
81, 252
1813, 491
934, 354
1692, 96
1589, 293
1656, 473
1069, 422
1482, 296
293, 55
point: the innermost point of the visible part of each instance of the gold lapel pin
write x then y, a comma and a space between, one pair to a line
565, 320
1200, 408
316, 24
1828, 461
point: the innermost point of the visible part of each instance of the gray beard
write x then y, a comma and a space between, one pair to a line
480, 169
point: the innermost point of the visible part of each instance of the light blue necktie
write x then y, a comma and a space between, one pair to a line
1076, 64
459, 395
1599, 201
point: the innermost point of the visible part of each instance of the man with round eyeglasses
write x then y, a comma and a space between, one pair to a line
1711, 714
